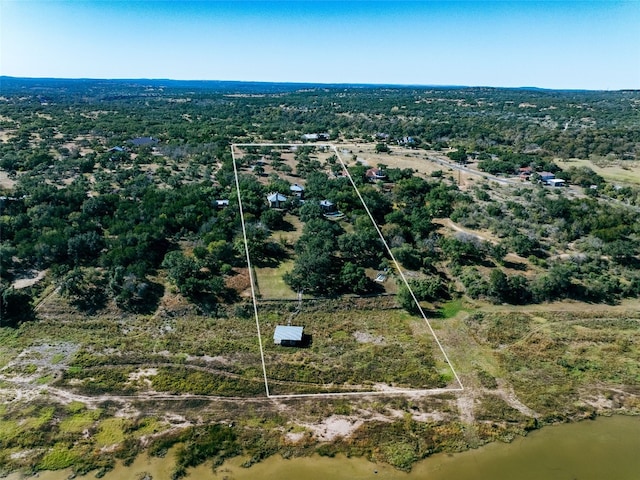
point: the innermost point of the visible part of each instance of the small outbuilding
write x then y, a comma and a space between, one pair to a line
327, 206
330, 211
222, 203
374, 174
314, 137
288, 336
276, 200
408, 141
525, 172
546, 176
297, 190
556, 182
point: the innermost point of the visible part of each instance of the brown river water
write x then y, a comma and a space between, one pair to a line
603, 449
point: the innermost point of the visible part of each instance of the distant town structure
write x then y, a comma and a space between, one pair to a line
288, 336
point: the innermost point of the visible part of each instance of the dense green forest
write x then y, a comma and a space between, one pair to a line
110, 218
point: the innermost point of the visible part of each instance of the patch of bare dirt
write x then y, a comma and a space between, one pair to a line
465, 404
5, 181
294, 437
143, 373
628, 306
480, 235
218, 359
5, 135
364, 337
240, 282
19, 379
37, 361
421, 161
600, 402
29, 278
508, 395
334, 426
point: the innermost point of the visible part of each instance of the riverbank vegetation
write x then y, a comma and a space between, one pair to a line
87, 410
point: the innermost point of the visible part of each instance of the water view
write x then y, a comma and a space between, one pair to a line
607, 448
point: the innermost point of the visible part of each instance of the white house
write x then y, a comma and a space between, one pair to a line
297, 190
556, 182
276, 200
546, 176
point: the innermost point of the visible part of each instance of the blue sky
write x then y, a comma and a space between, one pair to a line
549, 44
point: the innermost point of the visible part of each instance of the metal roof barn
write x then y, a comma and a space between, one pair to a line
287, 335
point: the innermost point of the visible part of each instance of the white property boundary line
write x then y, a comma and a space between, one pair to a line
251, 279
390, 391
404, 279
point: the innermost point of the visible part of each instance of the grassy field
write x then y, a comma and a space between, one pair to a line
98, 355
271, 285
617, 172
293, 234
351, 350
453, 307
553, 358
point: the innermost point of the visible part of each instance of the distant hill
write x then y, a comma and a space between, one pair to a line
11, 84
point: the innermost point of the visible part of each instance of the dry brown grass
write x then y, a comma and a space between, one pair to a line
6, 182
615, 171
